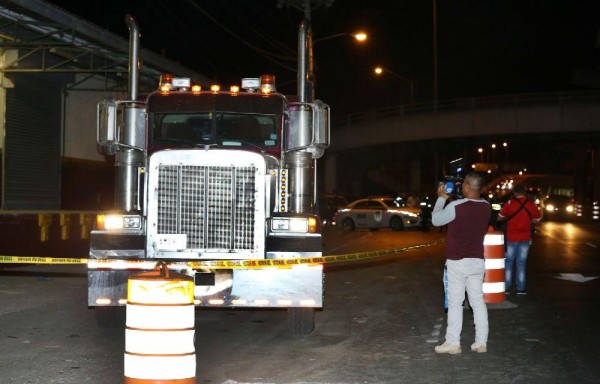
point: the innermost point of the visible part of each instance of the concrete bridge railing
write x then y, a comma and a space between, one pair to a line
480, 116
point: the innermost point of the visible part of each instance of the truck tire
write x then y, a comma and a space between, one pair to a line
300, 321
110, 317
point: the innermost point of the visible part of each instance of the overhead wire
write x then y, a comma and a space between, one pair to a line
269, 39
264, 53
173, 19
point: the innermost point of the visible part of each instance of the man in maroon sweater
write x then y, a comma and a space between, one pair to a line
467, 221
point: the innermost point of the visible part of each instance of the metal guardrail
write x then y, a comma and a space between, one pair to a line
473, 103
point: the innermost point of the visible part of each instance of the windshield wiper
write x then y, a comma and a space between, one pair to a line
242, 142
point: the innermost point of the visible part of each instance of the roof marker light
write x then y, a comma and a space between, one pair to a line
196, 88
165, 88
267, 83
234, 89
215, 88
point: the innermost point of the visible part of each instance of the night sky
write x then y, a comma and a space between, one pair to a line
484, 47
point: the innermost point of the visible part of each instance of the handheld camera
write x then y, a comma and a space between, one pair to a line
453, 181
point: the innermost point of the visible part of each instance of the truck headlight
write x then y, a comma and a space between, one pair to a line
280, 224
295, 224
298, 224
111, 222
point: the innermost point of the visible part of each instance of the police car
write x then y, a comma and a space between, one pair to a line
375, 213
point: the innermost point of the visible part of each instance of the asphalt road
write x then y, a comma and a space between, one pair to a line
380, 322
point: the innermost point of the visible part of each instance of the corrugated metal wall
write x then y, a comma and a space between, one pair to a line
32, 143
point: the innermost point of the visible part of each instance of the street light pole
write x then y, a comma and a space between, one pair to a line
380, 70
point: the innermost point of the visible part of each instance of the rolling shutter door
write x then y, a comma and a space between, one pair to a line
32, 144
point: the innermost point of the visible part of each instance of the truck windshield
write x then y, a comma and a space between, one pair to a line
223, 128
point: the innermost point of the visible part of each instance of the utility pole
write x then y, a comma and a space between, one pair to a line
435, 59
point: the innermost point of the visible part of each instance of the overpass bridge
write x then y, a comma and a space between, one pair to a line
405, 148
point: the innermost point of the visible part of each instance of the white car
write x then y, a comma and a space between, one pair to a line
375, 213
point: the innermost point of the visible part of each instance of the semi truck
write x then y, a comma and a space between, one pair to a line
211, 174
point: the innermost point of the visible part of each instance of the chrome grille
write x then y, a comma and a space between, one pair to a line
213, 205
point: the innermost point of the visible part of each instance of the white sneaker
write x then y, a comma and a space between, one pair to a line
479, 347
450, 349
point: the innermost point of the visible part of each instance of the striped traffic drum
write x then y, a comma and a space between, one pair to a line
159, 334
494, 281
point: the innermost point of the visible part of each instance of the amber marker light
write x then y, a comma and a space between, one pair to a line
215, 88
100, 222
196, 88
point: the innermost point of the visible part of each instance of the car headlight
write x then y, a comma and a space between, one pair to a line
410, 214
116, 221
549, 207
569, 208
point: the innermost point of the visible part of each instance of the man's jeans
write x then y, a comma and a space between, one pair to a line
516, 251
466, 274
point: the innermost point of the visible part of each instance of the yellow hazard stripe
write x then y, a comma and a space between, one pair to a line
216, 264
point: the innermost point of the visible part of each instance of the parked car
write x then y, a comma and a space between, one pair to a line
328, 207
380, 212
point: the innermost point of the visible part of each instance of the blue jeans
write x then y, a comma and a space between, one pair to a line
516, 252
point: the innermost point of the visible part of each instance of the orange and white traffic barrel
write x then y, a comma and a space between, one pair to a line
494, 281
159, 334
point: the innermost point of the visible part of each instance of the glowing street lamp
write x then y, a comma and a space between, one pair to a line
358, 36
381, 70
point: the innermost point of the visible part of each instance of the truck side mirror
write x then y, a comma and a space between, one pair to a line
321, 120
120, 124
107, 134
307, 128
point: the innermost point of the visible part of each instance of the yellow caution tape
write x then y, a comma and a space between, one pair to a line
217, 264
40, 260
